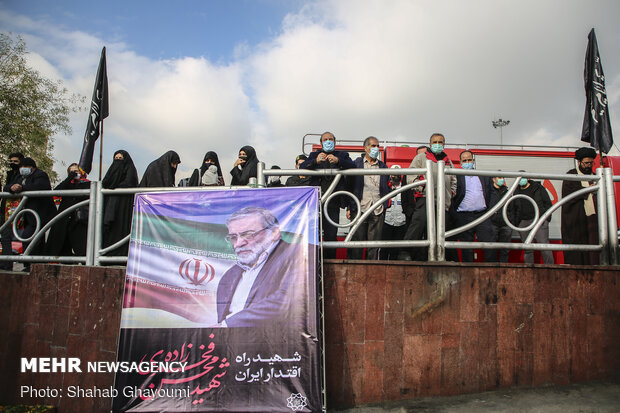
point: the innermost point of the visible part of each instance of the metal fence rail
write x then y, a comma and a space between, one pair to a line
436, 235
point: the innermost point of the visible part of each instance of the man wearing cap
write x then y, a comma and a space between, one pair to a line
579, 220
300, 180
368, 189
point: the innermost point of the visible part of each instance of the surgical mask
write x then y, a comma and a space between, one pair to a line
467, 165
523, 181
25, 171
328, 145
500, 182
243, 157
437, 148
374, 153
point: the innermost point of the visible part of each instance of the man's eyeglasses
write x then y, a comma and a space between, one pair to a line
16, 161
588, 163
246, 236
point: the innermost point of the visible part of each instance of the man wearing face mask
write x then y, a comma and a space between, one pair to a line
397, 215
501, 231
523, 215
327, 157
15, 160
579, 220
417, 227
274, 181
470, 202
368, 189
34, 179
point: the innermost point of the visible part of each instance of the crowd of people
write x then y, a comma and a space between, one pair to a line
403, 217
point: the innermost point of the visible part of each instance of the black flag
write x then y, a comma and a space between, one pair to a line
98, 112
596, 127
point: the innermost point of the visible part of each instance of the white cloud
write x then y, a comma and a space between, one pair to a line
398, 69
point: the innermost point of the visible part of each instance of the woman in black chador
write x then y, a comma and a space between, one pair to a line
160, 172
245, 166
209, 173
118, 209
68, 236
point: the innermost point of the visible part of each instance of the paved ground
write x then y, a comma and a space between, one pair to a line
578, 398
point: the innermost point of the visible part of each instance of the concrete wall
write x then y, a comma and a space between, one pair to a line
59, 311
406, 331
393, 331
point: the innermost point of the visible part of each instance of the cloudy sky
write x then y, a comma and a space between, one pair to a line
195, 76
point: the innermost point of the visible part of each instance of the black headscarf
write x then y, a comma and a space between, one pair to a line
199, 172
122, 173
159, 173
248, 170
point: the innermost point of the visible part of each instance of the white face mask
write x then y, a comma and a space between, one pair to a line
24, 171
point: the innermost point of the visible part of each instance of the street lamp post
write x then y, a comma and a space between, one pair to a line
500, 124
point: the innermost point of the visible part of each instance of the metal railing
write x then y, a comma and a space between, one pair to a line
436, 217
436, 235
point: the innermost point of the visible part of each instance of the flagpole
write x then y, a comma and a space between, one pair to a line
101, 150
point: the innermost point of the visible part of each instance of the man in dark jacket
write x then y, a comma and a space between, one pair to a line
298, 180
579, 219
368, 189
15, 161
34, 179
268, 285
327, 157
524, 215
471, 201
501, 231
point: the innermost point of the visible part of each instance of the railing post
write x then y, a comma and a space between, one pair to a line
612, 220
260, 175
601, 202
441, 220
92, 225
98, 222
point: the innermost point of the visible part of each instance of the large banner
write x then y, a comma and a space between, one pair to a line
220, 310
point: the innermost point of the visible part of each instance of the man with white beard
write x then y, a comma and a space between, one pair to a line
268, 277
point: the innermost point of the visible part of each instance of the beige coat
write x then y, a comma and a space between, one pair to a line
449, 181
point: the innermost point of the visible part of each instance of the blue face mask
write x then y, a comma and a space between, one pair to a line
23, 171
467, 165
374, 153
523, 181
500, 181
437, 148
328, 146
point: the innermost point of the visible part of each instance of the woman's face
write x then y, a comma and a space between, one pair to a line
242, 153
119, 156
